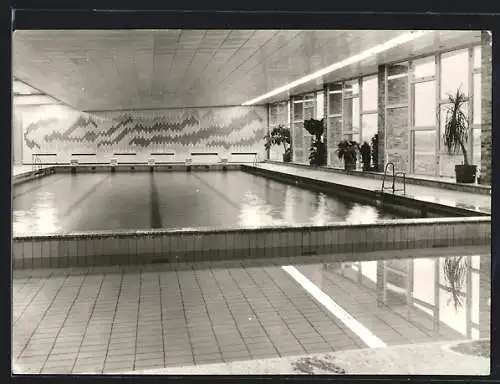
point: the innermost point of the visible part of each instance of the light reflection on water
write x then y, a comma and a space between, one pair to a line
42, 216
303, 207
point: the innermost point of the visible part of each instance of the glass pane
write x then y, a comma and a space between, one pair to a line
476, 148
351, 114
424, 152
320, 105
351, 87
477, 56
335, 102
308, 111
454, 73
369, 128
370, 93
448, 315
298, 111
475, 297
397, 84
273, 118
355, 114
477, 99
425, 104
424, 67
424, 280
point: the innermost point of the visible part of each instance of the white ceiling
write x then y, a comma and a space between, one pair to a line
135, 69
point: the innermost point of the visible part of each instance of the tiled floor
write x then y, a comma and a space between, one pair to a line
438, 195
121, 319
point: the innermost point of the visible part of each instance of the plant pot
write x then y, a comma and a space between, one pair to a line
349, 165
287, 157
465, 173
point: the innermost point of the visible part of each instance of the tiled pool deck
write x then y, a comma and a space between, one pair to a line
424, 193
112, 319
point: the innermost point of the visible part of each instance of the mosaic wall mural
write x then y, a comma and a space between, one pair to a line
63, 131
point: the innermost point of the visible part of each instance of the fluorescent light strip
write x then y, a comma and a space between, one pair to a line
402, 39
350, 322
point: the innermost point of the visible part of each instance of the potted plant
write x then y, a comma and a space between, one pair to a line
317, 154
366, 156
456, 134
374, 143
348, 150
280, 135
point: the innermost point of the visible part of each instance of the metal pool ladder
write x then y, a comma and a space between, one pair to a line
394, 175
36, 163
256, 157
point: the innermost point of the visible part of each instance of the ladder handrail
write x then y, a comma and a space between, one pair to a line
36, 163
394, 174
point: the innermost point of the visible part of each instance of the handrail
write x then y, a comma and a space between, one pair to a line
255, 159
394, 174
36, 163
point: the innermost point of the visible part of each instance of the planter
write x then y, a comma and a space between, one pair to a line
349, 165
287, 157
465, 173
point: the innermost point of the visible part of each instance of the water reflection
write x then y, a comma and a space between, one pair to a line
448, 293
41, 217
295, 206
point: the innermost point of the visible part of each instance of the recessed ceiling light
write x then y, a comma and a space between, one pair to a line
402, 39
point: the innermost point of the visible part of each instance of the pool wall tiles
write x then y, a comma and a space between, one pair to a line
220, 245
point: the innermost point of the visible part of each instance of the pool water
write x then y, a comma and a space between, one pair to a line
95, 201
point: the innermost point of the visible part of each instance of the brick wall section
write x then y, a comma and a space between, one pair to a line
396, 121
325, 114
381, 117
486, 115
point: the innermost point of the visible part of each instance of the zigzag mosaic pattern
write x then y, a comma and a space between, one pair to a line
58, 129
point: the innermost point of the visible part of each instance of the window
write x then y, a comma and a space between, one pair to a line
425, 104
476, 113
424, 67
335, 99
369, 93
320, 105
424, 152
369, 126
477, 57
454, 73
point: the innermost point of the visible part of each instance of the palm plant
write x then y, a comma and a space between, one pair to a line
455, 269
280, 135
456, 129
348, 150
366, 156
317, 154
456, 135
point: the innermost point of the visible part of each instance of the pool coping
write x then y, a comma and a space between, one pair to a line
369, 194
410, 178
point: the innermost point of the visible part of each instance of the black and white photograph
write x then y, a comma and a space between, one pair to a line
251, 201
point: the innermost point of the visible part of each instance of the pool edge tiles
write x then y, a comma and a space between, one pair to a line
100, 248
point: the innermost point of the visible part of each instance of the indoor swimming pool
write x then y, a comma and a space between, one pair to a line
66, 202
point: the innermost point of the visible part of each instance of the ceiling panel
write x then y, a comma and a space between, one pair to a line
134, 69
